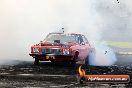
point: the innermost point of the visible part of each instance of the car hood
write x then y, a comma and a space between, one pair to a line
57, 44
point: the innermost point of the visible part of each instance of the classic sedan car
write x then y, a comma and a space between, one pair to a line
62, 47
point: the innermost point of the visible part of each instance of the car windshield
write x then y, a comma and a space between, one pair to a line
61, 38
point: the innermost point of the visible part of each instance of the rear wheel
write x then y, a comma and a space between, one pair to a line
91, 54
36, 62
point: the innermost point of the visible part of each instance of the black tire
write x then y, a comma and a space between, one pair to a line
73, 63
52, 61
66, 63
36, 62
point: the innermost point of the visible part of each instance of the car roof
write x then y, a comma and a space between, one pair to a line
64, 33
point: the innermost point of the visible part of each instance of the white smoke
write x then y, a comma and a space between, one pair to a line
26, 22
102, 56
116, 18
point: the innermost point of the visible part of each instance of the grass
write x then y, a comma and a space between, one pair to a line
120, 44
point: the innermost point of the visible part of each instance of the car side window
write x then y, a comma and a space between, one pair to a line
85, 39
77, 39
81, 39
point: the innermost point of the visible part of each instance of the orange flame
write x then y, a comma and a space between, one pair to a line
81, 71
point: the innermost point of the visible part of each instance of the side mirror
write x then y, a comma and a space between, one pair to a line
82, 43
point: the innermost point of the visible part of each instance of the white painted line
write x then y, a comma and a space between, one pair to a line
4, 73
26, 74
125, 53
44, 75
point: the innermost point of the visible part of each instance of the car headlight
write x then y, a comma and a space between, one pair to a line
66, 51
35, 50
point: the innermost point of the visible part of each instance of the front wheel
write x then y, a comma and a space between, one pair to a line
73, 63
36, 62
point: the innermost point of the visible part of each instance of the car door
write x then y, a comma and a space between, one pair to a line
85, 46
81, 48
78, 47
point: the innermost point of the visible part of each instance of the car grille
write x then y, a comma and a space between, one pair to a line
51, 51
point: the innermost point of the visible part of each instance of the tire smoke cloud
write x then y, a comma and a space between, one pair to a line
102, 56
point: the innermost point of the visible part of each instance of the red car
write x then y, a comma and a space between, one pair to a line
62, 47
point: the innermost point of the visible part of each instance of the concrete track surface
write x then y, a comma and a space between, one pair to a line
25, 74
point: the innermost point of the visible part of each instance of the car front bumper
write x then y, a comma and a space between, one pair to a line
52, 57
